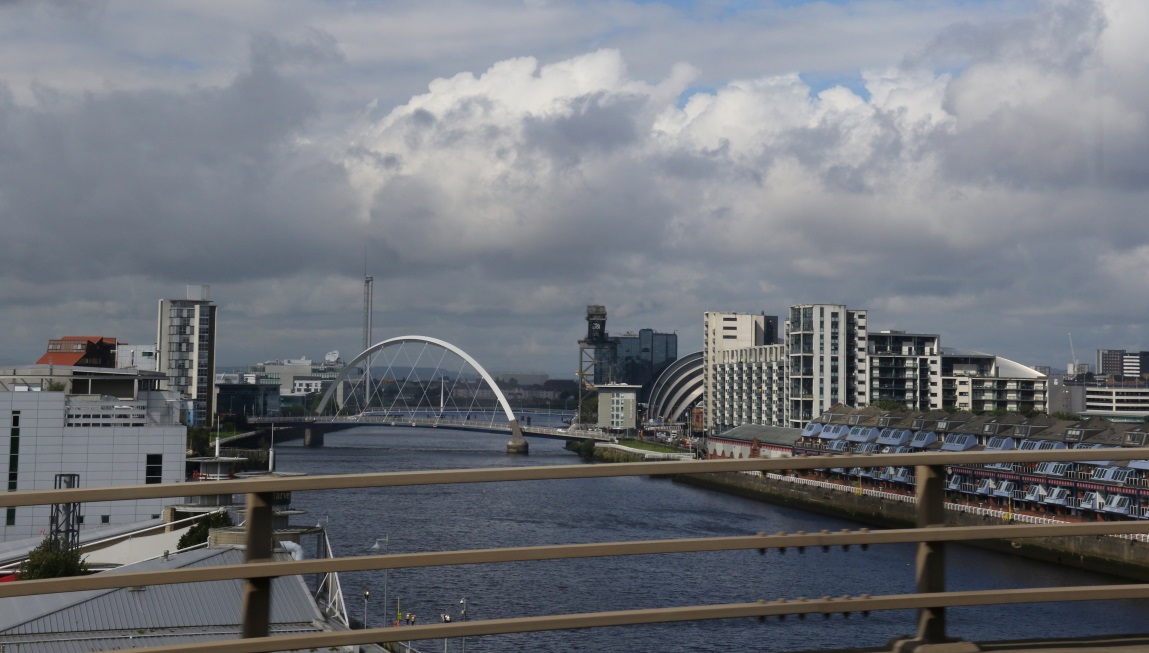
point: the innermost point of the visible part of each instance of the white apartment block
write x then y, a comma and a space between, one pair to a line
827, 351
111, 427
750, 387
728, 332
984, 383
830, 357
185, 350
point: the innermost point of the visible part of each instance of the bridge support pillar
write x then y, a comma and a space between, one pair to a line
312, 437
518, 443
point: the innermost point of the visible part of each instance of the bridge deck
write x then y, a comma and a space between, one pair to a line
1107, 644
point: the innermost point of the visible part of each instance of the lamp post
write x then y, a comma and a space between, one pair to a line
446, 618
463, 602
366, 595
375, 547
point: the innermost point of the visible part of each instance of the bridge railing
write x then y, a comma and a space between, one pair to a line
930, 600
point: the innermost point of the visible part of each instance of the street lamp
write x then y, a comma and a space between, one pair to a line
366, 595
446, 618
375, 548
463, 602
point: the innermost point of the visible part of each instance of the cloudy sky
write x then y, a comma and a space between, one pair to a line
975, 169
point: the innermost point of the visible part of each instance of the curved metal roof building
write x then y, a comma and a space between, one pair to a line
678, 387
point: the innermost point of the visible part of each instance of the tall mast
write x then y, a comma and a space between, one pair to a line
367, 298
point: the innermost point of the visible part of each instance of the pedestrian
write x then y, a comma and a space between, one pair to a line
413, 618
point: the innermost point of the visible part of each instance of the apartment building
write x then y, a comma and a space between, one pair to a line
728, 332
901, 367
185, 350
827, 352
829, 356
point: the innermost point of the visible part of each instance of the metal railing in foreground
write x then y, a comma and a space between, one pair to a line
931, 534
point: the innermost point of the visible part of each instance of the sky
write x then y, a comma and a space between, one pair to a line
970, 168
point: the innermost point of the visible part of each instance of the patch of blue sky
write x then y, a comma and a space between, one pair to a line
693, 90
819, 82
708, 9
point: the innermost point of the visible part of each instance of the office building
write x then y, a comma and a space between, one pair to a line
630, 359
107, 426
618, 407
1116, 363
185, 350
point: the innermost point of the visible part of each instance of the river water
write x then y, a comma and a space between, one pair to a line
489, 515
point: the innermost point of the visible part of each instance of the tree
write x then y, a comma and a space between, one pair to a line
52, 559
198, 533
588, 412
199, 440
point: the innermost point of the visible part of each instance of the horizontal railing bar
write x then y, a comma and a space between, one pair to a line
551, 472
826, 605
564, 551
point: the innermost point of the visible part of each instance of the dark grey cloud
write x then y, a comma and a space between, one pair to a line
990, 187
208, 182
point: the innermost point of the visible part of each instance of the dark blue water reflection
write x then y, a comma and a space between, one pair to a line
620, 509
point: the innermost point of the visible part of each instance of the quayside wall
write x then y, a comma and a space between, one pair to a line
1124, 556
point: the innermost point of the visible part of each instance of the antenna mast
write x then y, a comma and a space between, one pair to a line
367, 298
1073, 353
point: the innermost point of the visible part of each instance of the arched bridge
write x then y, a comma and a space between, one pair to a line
361, 399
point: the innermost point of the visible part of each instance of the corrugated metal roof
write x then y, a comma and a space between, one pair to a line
129, 639
203, 606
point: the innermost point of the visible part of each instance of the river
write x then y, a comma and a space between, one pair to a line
488, 515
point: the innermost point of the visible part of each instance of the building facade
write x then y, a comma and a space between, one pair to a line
830, 357
750, 387
631, 359
618, 407
185, 350
82, 351
901, 367
111, 427
726, 332
827, 353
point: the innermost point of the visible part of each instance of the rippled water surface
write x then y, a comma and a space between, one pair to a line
620, 509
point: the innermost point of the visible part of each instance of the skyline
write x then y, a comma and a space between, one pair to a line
972, 169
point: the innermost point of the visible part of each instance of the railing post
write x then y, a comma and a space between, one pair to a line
931, 561
257, 540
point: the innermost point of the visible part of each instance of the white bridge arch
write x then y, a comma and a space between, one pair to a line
517, 443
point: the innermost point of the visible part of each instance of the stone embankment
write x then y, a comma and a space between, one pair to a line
1126, 555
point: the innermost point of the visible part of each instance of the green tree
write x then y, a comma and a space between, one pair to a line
52, 560
199, 440
198, 533
588, 412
